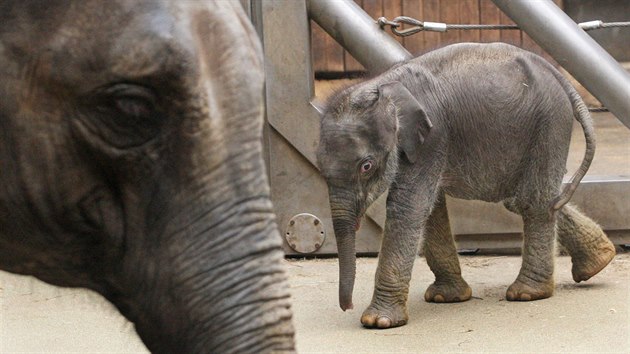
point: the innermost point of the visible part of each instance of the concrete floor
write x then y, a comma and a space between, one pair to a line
588, 317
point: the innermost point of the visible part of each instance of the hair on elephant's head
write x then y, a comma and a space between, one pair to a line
363, 131
130, 141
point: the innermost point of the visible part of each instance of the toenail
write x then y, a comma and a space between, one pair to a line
383, 322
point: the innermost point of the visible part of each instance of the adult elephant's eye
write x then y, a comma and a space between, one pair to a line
123, 114
134, 101
134, 106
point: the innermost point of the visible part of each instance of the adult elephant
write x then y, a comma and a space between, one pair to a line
130, 164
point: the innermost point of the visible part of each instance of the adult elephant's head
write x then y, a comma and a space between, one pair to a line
131, 164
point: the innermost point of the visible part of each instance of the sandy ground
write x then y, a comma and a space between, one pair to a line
588, 317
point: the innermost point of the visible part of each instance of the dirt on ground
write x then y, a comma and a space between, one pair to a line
592, 316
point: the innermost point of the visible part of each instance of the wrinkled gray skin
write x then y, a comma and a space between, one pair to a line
130, 149
475, 121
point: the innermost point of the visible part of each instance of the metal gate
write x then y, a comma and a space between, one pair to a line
291, 134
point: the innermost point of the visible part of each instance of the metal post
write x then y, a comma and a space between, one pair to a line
576, 51
358, 33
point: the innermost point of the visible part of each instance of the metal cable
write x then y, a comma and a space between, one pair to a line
615, 24
482, 27
419, 26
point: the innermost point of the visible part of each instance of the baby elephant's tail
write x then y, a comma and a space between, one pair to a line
583, 116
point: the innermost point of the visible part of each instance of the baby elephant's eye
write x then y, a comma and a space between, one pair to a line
366, 166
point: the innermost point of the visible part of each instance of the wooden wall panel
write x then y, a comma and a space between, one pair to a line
469, 14
327, 54
391, 10
431, 10
509, 36
449, 13
489, 14
329, 57
414, 43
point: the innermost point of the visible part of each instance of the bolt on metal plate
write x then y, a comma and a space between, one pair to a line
305, 233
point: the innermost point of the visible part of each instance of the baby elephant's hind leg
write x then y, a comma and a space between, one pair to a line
441, 255
585, 241
535, 279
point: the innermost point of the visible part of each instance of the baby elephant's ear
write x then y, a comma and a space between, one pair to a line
413, 123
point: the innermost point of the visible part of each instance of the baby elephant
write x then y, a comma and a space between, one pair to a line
489, 122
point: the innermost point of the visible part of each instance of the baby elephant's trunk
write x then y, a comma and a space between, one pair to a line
347, 268
345, 232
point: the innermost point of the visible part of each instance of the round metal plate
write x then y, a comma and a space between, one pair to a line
305, 233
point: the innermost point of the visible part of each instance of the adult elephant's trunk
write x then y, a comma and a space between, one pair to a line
202, 269
345, 224
224, 288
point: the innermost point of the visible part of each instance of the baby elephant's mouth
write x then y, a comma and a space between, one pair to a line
357, 224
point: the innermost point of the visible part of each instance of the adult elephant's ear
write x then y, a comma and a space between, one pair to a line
413, 124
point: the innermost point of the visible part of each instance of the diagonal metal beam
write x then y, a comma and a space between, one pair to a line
358, 33
575, 50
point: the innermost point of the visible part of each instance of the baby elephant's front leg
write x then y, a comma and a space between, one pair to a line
407, 212
441, 255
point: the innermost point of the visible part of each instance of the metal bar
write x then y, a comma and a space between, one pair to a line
576, 51
288, 62
358, 33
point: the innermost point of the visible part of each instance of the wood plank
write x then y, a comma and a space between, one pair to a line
510, 36
318, 48
431, 10
489, 14
374, 8
334, 55
469, 14
529, 44
449, 13
327, 53
391, 10
414, 43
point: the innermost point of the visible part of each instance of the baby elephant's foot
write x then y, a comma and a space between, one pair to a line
455, 291
380, 317
586, 265
521, 291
